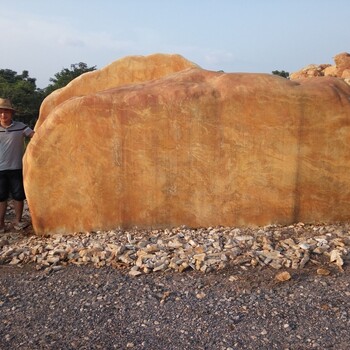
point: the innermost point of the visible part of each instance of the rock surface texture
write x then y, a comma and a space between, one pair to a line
128, 70
189, 147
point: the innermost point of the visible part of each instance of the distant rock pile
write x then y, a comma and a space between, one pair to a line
341, 69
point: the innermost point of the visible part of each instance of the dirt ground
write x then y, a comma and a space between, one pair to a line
88, 308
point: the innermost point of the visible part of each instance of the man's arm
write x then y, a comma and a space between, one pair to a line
28, 132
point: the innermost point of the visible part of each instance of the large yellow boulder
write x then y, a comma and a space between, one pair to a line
128, 70
195, 148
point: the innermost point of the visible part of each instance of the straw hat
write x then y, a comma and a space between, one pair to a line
6, 104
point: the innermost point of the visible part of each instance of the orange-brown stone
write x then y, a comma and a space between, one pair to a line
342, 62
128, 70
339, 70
346, 74
195, 148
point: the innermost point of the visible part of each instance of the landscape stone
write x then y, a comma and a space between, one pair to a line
128, 70
346, 74
191, 147
342, 62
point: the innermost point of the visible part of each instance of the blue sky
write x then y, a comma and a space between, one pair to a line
45, 36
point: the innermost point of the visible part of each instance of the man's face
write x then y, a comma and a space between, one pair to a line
5, 116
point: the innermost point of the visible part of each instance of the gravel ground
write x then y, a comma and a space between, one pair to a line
81, 307
283, 288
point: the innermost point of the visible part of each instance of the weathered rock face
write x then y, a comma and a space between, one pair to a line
194, 148
128, 70
341, 69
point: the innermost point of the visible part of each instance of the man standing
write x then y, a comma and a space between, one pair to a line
12, 134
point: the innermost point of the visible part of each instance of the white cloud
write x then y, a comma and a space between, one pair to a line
218, 57
44, 47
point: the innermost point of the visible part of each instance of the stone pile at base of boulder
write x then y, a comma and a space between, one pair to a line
180, 249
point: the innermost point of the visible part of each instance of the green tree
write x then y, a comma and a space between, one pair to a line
281, 73
66, 75
22, 91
